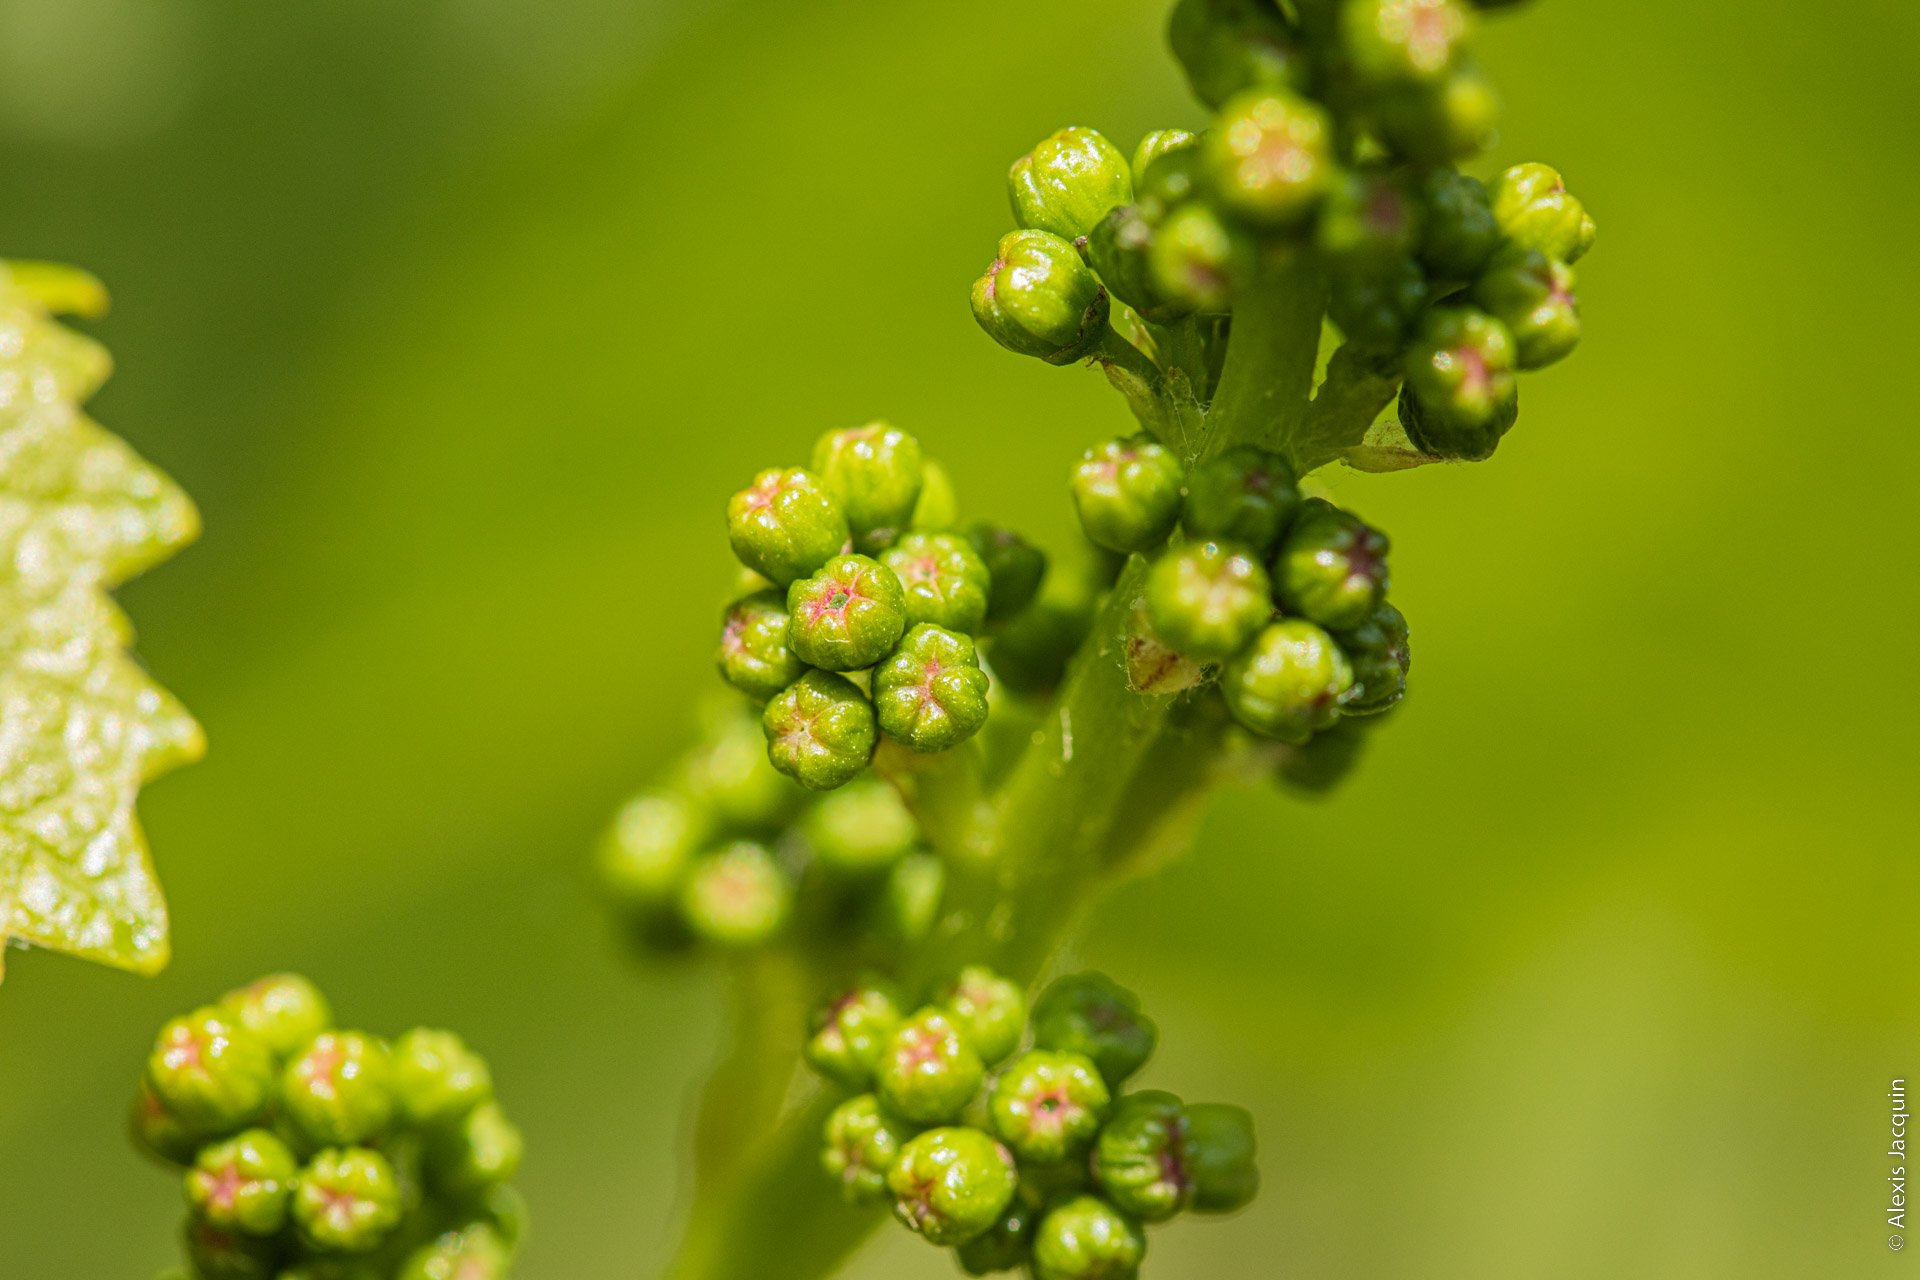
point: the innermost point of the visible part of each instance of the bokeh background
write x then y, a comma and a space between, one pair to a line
460, 318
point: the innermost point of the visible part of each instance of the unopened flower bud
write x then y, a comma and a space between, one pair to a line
1332, 566
1206, 599
338, 1091
1047, 1106
1536, 211
1039, 299
847, 615
875, 474
820, 730
945, 580
951, 1185
1220, 1157
928, 1071
1141, 1160
989, 1010
930, 694
851, 1031
1288, 683
1460, 395
754, 656
1127, 493
1269, 156
785, 525
1532, 295
862, 1143
1087, 1239
1067, 183
1092, 1015
347, 1200
244, 1183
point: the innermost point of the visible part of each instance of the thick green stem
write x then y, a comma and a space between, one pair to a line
1268, 375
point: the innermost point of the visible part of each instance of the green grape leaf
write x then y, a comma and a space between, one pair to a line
81, 724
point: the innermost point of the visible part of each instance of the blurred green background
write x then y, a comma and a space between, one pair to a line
460, 318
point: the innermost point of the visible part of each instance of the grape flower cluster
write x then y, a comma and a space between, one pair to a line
309, 1152
726, 851
1013, 1158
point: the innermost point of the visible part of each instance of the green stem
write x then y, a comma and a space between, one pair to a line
1268, 375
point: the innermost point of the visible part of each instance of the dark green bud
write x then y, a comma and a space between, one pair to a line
339, 1090
1029, 654
1067, 183
1376, 307
1003, 1246
729, 776
875, 474
1141, 1160
1226, 46
1087, 1239
243, 1184
1460, 395
1378, 651
1039, 299
861, 829
157, 1131
951, 1185
210, 1073
1048, 1106
646, 851
736, 896
1127, 493
1015, 568
1369, 218
1270, 157
1121, 250
1288, 683
989, 1010
1332, 566
1536, 211
1195, 259
505, 1211
437, 1078
930, 693
910, 900
473, 1253
1220, 1157
945, 580
217, 1253
1459, 235
476, 1155
863, 1144
939, 506
785, 525
282, 1010
1532, 295
754, 657
847, 615
1317, 767
820, 730
347, 1201
1400, 41
1207, 599
1171, 179
1092, 1015
1159, 143
1244, 495
851, 1031
928, 1072
1440, 123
